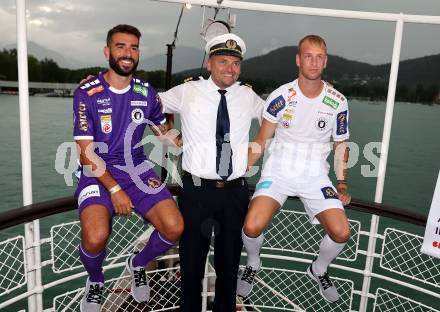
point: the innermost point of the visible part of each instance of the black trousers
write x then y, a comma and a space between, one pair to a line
205, 208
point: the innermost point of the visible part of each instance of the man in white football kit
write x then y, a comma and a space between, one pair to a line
303, 114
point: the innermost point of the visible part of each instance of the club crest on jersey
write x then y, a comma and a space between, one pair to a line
329, 192
321, 124
106, 123
140, 89
137, 115
153, 182
276, 106
341, 127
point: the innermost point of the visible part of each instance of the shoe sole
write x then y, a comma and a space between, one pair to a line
310, 274
127, 266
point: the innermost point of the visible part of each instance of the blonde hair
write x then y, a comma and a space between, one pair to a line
313, 39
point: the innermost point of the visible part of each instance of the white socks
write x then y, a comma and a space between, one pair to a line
328, 251
253, 247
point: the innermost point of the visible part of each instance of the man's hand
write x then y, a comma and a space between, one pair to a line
122, 203
343, 195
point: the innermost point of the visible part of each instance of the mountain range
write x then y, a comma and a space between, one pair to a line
277, 67
183, 58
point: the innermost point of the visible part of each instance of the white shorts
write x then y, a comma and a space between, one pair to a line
317, 194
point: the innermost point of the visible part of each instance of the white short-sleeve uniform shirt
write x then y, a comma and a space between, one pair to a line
197, 103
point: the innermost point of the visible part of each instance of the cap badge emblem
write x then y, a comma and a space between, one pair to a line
231, 44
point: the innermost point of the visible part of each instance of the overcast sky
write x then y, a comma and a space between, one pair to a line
77, 29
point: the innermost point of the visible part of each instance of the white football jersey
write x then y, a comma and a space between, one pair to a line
302, 138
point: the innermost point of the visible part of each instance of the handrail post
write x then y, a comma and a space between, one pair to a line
32, 230
383, 161
205, 286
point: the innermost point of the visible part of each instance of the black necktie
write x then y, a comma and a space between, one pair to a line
223, 140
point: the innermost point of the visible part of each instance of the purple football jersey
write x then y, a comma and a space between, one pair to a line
104, 114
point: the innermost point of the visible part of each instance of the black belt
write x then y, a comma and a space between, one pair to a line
216, 183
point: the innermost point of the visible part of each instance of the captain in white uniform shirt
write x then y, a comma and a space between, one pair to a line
304, 115
216, 115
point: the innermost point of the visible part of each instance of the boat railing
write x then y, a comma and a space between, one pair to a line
381, 269
402, 278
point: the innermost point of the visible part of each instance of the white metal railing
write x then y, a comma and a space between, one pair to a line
32, 230
281, 285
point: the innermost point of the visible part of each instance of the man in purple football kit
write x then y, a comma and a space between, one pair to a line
111, 112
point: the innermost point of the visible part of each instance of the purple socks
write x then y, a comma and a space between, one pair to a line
155, 246
93, 264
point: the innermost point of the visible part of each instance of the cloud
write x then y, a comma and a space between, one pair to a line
78, 28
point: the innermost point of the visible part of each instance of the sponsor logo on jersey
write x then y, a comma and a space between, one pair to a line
287, 116
263, 185
105, 110
87, 192
137, 115
341, 123
140, 89
330, 102
286, 119
276, 106
104, 102
138, 103
329, 192
291, 95
292, 104
153, 182
106, 123
83, 125
321, 124
325, 113
95, 90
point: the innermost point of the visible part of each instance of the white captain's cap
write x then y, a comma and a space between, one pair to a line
227, 44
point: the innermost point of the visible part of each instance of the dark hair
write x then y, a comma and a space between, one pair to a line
122, 28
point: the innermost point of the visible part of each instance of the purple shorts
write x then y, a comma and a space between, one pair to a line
144, 190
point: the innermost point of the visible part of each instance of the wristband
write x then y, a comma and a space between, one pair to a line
115, 189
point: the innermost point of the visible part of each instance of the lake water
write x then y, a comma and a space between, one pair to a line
413, 162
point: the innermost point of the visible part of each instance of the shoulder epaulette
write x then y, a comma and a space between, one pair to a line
191, 79
245, 84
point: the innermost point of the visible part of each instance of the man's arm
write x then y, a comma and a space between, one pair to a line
341, 159
166, 135
96, 166
256, 148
